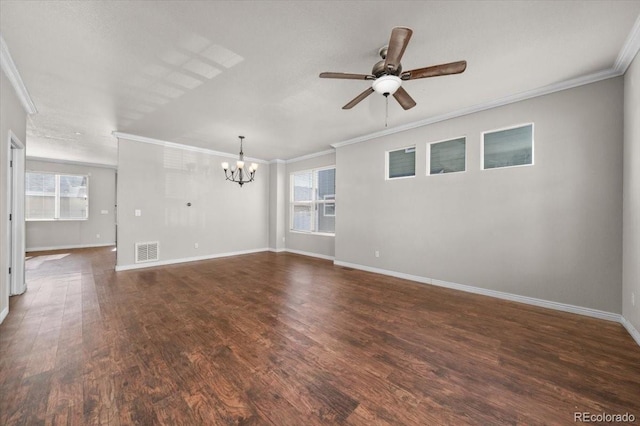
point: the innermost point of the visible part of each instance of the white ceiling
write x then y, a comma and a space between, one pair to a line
201, 73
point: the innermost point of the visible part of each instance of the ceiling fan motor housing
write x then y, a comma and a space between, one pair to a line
379, 69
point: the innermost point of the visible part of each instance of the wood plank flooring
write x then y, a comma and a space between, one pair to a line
285, 339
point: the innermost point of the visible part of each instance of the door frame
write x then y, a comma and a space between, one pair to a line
15, 206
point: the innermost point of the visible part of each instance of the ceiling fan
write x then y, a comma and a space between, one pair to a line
387, 74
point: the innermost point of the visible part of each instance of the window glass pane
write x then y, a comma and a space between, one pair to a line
301, 218
303, 186
313, 207
51, 196
402, 162
447, 157
73, 197
40, 195
326, 183
512, 147
326, 218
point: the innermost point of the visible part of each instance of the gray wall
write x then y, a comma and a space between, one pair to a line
160, 181
277, 207
321, 245
12, 118
78, 233
551, 231
631, 195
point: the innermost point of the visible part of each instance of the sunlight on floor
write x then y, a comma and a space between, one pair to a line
34, 262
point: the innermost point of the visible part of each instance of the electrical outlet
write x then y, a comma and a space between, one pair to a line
377, 253
196, 245
633, 299
97, 235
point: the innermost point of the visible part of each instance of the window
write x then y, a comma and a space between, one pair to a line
313, 202
447, 156
401, 163
51, 196
507, 147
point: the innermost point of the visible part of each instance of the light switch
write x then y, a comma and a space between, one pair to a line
104, 211
138, 212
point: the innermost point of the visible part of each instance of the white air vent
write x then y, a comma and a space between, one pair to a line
147, 252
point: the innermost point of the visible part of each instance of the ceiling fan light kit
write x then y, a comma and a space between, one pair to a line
239, 174
387, 84
387, 75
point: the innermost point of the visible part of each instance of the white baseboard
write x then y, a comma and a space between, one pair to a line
311, 254
595, 313
631, 329
4, 314
69, 247
186, 259
274, 250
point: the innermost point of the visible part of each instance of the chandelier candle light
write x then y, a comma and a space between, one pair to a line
239, 174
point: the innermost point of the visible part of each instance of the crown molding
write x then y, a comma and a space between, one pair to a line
534, 93
277, 161
71, 162
629, 49
11, 71
313, 155
167, 144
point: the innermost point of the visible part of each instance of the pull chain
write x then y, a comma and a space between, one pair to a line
386, 109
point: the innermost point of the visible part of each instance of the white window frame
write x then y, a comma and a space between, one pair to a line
386, 163
533, 145
56, 213
428, 172
314, 203
333, 198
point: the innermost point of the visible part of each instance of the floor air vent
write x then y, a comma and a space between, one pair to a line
147, 252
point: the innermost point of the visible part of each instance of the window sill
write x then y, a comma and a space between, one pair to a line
322, 234
56, 220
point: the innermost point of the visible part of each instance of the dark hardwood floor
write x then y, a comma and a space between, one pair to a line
289, 340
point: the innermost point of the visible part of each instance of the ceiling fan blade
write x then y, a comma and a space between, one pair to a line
358, 98
397, 44
404, 99
347, 76
435, 71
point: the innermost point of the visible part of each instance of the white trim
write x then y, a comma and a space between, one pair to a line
428, 164
16, 206
516, 126
313, 155
277, 161
545, 90
277, 250
11, 71
629, 49
71, 162
310, 254
187, 259
4, 314
181, 146
631, 329
69, 247
595, 313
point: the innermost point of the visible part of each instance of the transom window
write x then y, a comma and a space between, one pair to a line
507, 147
51, 196
313, 202
447, 156
401, 163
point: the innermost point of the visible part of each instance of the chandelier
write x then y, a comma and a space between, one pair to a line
239, 174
